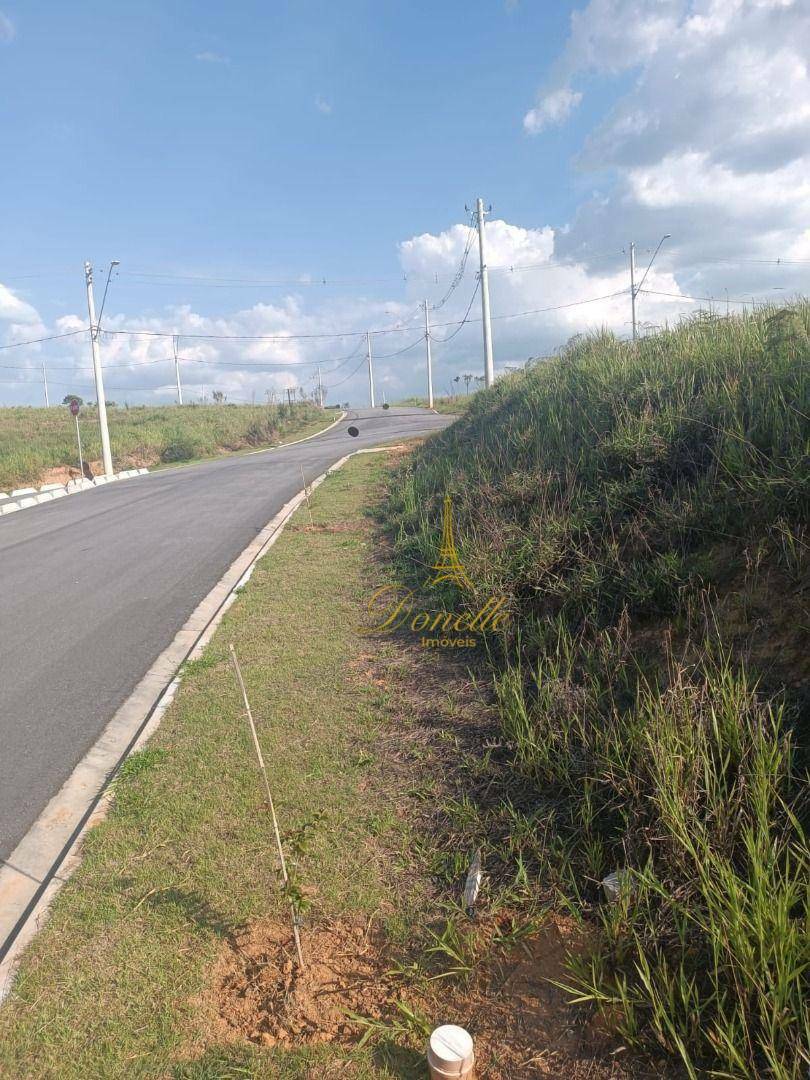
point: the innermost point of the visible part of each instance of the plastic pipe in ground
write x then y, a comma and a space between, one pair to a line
450, 1053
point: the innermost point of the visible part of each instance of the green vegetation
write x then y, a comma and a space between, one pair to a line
644, 509
114, 985
452, 406
33, 441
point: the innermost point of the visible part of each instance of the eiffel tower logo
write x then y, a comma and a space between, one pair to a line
449, 567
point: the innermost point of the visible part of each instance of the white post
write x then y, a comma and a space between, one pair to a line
370, 370
489, 370
633, 286
175, 343
99, 380
79, 444
45, 384
428, 356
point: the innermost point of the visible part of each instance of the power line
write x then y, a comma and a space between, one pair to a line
461, 325
456, 281
340, 382
50, 337
710, 299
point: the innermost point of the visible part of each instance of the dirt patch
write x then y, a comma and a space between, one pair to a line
522, 1024
262, 996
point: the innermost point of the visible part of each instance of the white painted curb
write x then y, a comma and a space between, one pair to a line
48, 492
50, 851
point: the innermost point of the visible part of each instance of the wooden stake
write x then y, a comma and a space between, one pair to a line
285, 879
306, 496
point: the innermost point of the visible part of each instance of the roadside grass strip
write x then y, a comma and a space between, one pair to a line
117, 983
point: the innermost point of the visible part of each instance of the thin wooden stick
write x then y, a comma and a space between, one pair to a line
285, 879
306, 496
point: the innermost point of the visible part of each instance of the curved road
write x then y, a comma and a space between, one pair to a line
95, 586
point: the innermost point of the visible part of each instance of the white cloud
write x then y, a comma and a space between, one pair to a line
323, 106
212, 58
13, 309
553, 108
7, 30
711, 142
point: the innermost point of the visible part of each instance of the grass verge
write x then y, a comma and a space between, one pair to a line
112, 986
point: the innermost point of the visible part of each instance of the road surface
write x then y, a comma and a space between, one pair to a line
95, 586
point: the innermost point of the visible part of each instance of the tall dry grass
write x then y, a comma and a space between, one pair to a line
623, 498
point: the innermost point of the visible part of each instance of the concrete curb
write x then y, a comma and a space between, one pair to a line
22, 498
51, 849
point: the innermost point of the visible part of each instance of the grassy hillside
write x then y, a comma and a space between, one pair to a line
645, 512
34, 441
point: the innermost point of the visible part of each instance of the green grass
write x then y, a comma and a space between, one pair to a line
644, 511
33, 441
186, 856
452, 406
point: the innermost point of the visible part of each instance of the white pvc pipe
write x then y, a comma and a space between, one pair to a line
450, 1053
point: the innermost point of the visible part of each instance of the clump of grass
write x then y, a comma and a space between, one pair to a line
612, 495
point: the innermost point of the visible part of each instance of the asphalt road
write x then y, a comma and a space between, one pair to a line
95, 586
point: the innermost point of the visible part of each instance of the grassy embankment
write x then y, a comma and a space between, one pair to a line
645, 511
451, 406
35, 441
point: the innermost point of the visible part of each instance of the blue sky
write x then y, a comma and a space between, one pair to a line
259, 140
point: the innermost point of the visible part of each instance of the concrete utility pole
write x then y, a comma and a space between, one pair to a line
175, 345
428, 356
489, 369
633, 287
99, 380
370, 370
45, 384
320, 387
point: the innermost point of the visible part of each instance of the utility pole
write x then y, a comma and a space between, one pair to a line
489, 370
175, 344
633, 287
428, 356
320, 387
370, 370
99, 380
45, 384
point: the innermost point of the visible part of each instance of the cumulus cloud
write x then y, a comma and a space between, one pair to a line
551, 109
7, 31
711, 142
323, 106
